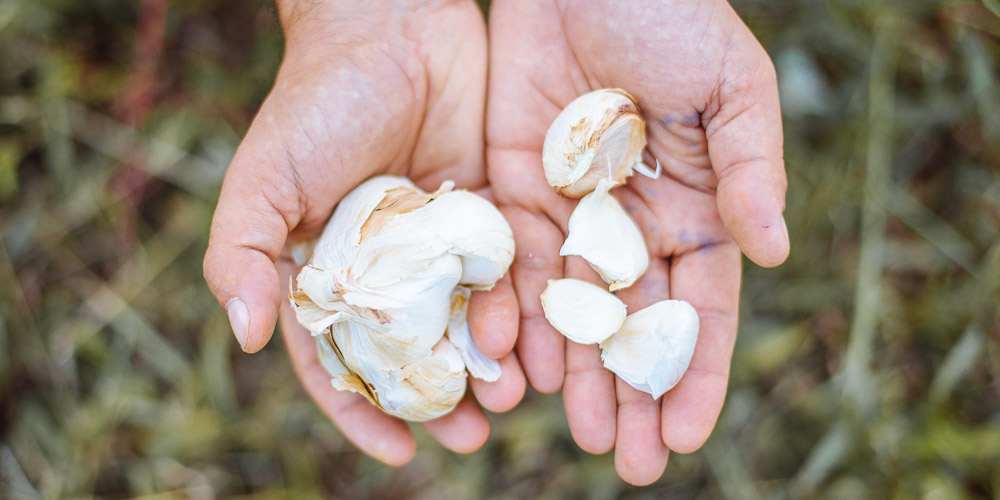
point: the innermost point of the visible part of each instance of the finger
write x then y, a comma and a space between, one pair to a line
540, 348
450, 143
493, 318
709, 279
506, 392
464, 430
640, 455
248, 231
383, 437
745, 147
589, 389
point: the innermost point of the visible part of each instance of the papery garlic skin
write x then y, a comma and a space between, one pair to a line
583, 312
601, 231
598, 135
386, 288
654, 346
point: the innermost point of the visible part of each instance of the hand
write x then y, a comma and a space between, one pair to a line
384, 89
708, 92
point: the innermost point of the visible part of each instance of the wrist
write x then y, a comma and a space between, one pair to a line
349, 21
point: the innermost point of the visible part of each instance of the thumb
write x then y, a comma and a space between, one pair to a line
745, 148
249, 229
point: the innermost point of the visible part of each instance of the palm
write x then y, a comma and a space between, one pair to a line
339, 115
347, 105
684, 72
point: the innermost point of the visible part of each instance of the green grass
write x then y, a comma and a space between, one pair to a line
868, 365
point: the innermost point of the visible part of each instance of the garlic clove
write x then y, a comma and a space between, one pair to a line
341, 378
404, 380
338, 245
653, 348
582, 312
602, 232
476, 362
470, 227
598, 135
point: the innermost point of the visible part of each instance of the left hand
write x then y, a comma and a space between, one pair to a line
709, 94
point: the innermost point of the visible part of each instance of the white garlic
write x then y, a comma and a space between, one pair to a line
386, 289
606, 237
593, 146
598, 135
583, 312
477, 363
654, 346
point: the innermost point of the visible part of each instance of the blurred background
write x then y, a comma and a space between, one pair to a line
868, 365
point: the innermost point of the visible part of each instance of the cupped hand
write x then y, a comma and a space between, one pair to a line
385, 89
708, 92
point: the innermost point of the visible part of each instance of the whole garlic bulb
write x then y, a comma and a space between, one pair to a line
601, 231
654, 346
596, 136
386, 289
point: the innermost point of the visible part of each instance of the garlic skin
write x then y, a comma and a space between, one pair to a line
386, 289
654, 346
606, 237
596, 136
583, 312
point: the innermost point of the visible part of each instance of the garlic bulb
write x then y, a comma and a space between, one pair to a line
606, 237
654, 346
596, 136
386, 289
584, 313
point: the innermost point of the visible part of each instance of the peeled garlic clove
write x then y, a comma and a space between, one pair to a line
379, 293
583, 312
606, 237
654, 346
597, 135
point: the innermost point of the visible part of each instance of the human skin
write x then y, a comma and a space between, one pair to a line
708, 92
387, 89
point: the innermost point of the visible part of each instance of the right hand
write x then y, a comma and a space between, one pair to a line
383, 89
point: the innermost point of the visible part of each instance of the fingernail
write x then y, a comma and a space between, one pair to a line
239, 320
784, 227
